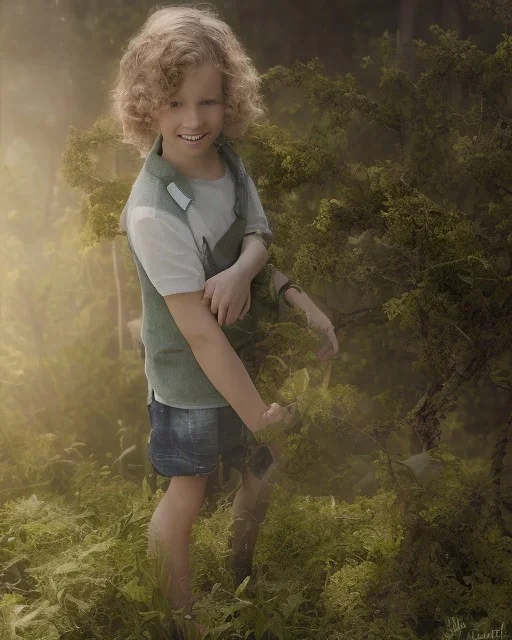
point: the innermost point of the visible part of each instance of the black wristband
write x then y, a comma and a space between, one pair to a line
288, 285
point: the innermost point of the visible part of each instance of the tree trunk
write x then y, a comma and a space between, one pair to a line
407, 13
501, 474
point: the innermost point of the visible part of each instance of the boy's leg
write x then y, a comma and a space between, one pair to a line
169, 537
249, 511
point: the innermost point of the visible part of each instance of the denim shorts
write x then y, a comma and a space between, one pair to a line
187, 442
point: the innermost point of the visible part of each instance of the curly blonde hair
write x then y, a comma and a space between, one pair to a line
151, 70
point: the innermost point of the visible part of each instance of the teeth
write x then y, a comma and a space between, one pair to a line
193, 138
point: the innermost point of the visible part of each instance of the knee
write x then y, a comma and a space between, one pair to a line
185, 496
170, 522
183, 515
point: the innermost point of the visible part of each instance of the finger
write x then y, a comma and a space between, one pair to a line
248, 303
207, 297
270, 412
215, 304
246, 307
324, 349
330, 347
328, 353
221, 317
243, 311
273, 409
234, 313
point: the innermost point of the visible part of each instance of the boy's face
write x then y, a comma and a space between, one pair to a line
196, 108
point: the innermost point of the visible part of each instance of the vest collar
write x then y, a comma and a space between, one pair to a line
177, 184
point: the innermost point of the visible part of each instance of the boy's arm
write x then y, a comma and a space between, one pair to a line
216, 356
301, 300
233, 297
314, 315
253, 256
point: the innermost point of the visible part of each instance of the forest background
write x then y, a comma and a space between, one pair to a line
392, 517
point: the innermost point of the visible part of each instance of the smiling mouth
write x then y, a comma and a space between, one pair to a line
192, 138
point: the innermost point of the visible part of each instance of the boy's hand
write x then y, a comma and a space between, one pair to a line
274, 421
317, 319
228, 294
277, 418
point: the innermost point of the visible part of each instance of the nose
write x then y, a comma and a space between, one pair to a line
192, 119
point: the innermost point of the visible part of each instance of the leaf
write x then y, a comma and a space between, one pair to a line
217, 631
26, 620
292, 602
298, 382
146, 489
14, 561
280, 360
85, 514
82, 606
241, 587
276, 627
99, 546
423, 466
467, 279
483, 262
124, 453
148, 615
67, 567
141, 515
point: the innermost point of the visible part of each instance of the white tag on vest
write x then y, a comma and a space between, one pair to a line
178, 196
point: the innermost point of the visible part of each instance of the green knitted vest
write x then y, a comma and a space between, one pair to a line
170, 366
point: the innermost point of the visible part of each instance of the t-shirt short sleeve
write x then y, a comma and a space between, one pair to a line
256, 218
166, 250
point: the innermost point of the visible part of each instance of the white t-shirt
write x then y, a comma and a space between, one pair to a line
166, 248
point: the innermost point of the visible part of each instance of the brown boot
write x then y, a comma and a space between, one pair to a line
242, 568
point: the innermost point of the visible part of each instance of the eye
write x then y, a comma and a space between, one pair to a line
173, 104
210, 101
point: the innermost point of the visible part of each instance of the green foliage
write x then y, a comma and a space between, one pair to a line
348, 591
60, 340
335, 568
106, 196
78, 559
401, 193
500, 10
287, 160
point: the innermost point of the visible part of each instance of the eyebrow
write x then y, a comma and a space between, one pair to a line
177, 96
